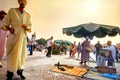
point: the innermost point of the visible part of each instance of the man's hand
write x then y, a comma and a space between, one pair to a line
24, 26
12, 30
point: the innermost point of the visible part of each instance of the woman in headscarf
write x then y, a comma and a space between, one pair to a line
84, 51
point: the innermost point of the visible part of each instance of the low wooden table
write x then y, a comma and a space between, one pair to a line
71, 70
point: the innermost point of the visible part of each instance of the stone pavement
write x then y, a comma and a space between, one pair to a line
38, 67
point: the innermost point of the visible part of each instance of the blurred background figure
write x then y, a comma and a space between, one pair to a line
32, 43
3, 37
98, 47
74, 49
49, 46
79, 49
70, 49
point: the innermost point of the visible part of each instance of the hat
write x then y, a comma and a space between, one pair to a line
2, 12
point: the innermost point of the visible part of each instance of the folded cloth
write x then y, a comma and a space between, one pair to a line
109, 75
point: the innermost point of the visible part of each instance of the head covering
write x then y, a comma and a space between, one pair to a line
2, 12
51, 37
87, 37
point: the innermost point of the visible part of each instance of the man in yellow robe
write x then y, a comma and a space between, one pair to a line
18, 22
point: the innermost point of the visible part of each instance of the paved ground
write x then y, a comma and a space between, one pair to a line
38, 67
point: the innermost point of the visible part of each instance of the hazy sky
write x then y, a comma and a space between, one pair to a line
50, 16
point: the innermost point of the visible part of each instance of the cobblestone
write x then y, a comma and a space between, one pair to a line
38, 67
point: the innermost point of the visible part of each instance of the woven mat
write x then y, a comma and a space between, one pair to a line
75, 71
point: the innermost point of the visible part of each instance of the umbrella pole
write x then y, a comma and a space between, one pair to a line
91, 58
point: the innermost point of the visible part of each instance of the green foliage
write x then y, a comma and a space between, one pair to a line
55, 52
41, 41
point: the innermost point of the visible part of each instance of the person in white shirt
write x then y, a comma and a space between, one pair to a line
32, 41
49, 46
112, 56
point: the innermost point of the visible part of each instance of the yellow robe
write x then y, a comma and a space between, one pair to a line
16, 43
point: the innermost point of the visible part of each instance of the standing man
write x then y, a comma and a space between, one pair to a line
18, 23
112, 56
79, 49
32, 41
99, 58
3, 37
49, 46
98, 47
34, 45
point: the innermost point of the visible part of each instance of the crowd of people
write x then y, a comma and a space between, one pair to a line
105, 56
108, 54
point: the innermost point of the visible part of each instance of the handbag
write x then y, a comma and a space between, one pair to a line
89, 49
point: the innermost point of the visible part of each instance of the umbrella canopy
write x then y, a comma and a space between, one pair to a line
62, 42
91, 29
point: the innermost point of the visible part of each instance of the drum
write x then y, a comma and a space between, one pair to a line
105, 53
